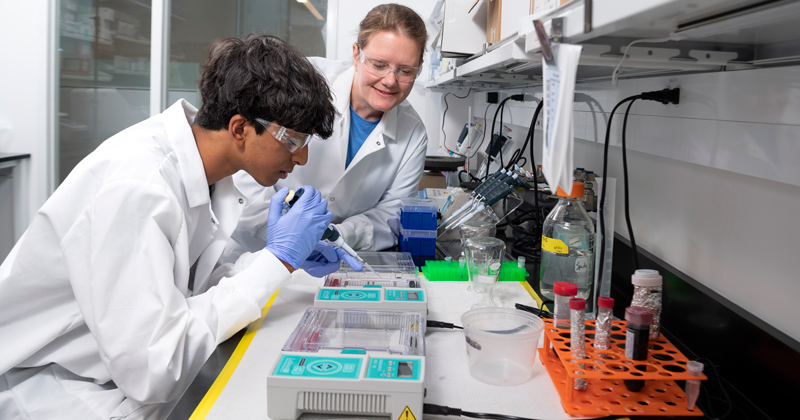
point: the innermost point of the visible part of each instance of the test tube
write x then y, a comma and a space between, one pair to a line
563, 291
636, 338
695, 368
577, 336
602, 330
521, 262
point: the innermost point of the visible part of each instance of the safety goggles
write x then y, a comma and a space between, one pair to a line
293, 140
380, 68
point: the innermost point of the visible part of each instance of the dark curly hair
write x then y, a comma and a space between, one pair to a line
263, 76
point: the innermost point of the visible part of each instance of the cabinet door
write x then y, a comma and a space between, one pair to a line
104, 76
104, 57
195, 25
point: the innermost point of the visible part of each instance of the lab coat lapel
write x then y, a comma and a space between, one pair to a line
192, 175
226, 209
376, 141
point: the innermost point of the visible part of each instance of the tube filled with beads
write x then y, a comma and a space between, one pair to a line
577, 336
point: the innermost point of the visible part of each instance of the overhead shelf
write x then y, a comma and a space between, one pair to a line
662, 37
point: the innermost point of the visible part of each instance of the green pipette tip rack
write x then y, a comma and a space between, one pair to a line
453, 271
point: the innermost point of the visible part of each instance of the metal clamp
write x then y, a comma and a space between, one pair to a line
548, 51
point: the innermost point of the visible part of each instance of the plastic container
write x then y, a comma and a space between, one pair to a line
602, 330
636, 338
418, 214
421, 244
567, 245
647, 293
501, 344
563, 292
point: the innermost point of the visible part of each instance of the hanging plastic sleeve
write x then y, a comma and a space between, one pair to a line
559, 90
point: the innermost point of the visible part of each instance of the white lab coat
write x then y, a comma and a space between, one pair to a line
110, 302
364, 198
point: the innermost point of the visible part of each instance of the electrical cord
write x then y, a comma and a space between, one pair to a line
500, 106
625, 182
664, 96
600, 205
439, 324
707, 406
442, 410
444, 114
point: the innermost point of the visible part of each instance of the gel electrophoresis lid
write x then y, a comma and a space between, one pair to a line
374, 331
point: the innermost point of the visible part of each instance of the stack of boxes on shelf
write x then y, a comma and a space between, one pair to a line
418, 220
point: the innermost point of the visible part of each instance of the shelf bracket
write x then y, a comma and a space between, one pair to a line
556, 26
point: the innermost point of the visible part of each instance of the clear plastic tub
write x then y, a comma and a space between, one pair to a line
389, 265
501, 344
338, 329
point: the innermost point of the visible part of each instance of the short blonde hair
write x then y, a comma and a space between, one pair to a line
395, 18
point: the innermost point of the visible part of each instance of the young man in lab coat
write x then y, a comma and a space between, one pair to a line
113, 299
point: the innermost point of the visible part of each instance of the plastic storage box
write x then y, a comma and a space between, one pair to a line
421, 244
418, 214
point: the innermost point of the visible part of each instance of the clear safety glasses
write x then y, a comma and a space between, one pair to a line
293, 140
380, 68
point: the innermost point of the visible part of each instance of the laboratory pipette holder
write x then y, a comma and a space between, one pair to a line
390, 332
605, 371
448, 241
395, 269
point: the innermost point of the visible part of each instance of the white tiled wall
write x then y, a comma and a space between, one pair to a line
714, 182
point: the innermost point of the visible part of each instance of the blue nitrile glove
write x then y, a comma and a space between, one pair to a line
325, 258
292, 237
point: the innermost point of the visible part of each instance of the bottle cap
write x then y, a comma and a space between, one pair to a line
605, 302
638, 315
646, 278
577, 190
565, 288
577, 303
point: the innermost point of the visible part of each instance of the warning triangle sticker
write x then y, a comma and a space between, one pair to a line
407, 414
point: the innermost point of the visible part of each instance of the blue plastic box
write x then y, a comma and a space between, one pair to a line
418, 214
421, 244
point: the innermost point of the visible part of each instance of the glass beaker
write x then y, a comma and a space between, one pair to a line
484, 258
476, 228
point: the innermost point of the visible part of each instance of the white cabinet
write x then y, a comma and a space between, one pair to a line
672, 36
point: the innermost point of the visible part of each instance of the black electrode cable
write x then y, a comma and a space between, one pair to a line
500, 106
532, 132
600, 205
439, 324
625, 182
444, 135
442, 410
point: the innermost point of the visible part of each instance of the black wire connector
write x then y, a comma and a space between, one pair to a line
665, 96
439, 324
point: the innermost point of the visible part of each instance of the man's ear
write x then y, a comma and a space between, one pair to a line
355, 54
236, 128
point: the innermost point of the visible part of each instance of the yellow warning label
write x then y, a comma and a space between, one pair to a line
554, 245
407, 415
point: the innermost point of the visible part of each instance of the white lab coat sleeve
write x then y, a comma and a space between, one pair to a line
379, 228
152, 338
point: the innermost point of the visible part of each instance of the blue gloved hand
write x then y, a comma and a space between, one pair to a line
325, 258
292, 237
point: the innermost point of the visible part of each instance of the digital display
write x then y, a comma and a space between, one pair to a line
413, 296
404, 370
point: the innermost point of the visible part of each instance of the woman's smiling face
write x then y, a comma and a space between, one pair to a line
372, 95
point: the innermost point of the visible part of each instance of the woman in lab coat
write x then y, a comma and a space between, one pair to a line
377, 152
112, 300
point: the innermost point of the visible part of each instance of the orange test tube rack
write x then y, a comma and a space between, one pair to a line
605, 371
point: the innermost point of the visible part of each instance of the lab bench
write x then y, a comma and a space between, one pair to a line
240, 366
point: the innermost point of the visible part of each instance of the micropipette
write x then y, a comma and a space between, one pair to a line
331, 235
